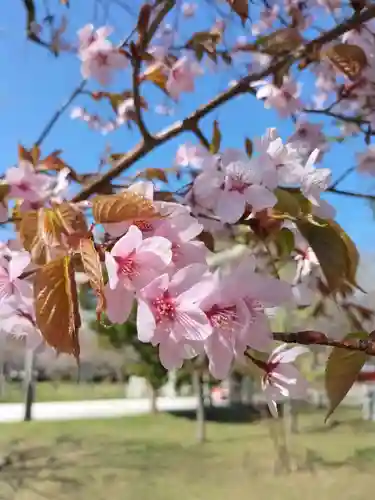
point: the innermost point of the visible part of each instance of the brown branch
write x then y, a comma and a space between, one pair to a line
201, 137
138, 52
241, 87
312, 337
59, 112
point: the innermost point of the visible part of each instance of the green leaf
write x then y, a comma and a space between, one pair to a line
284, 242
287, 203
216, 138
343, 367
336, 252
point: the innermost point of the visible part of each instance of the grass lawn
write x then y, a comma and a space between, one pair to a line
64, 391
157, 458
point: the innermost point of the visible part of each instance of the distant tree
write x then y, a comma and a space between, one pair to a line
146, 364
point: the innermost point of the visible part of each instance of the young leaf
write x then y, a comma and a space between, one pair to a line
43, 230
216, 138
156, 74
280, 41
349, 59
93, 269
122, 207
240, 7
154, 173
249, 147
56, 305
343, 367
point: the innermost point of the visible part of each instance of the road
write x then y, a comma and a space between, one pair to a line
109, 408
75, 410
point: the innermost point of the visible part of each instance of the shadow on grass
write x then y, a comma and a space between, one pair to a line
241, 414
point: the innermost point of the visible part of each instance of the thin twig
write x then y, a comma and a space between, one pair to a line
350, 193
342, 177
202, 139
59, 112
241, 87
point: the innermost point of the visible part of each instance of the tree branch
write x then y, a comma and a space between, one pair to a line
312, 337
241, 87
342, 177
350, 193
138, 52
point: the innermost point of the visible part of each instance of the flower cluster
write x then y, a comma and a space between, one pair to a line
231, 185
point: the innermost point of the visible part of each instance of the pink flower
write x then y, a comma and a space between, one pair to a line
259, 293
366, 161
307, 137
169, 313
280, 164
88, 35
181, 230
284, 99
132, 263
229, 318
26, 184
12, 266
181, 77
281, 379
188, 9
99, 61
242, 186
18, 322
189, 155
314, 181
267, 17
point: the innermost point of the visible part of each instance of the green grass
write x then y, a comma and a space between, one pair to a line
157, 458
64, 391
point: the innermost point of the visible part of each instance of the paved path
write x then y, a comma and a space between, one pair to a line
72, 410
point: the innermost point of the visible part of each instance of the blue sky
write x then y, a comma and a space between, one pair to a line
34, 83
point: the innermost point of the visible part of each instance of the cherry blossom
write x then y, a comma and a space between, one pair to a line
259, 293
267, 18
314, 181
169, 313
229, 318
281, 379
132, 263
366, 161
181, 77
181, 230
100, 59
88, 35
27, 184
284, 99
12, 266
189, 9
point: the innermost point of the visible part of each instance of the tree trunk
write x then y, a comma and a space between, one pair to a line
235, 389
29, 384
154, 400
200, 414
3, 381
